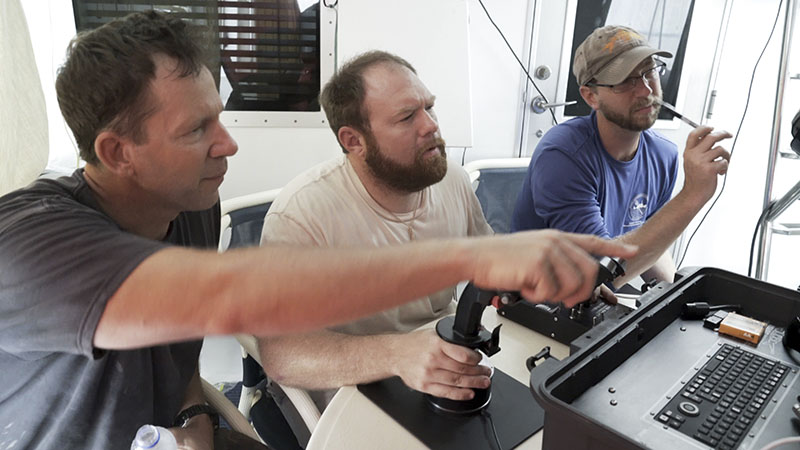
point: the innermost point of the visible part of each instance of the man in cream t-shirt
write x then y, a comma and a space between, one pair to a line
393, 185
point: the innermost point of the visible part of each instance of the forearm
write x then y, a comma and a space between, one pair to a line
199, 431
326, 360
194, 392
178, 294
662, 270
656, 235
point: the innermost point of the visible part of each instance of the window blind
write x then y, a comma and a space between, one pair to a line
267, 51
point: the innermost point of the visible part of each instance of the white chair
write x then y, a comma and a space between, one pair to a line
242, 221
236, 420
299, 398
497, 182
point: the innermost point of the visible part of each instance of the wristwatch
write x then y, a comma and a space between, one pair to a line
182, 419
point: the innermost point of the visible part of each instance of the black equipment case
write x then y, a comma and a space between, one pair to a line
621, 376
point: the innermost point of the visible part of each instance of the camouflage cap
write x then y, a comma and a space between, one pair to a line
610, 54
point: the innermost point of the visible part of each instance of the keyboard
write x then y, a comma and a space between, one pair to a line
718, 405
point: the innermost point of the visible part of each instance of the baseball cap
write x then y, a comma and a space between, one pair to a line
610, 54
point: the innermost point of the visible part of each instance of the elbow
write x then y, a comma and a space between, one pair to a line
278, 375
274, 363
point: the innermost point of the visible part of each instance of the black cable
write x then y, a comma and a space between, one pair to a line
485, 413
522, 129
753, 241
738, 130
330, 5
518, 60
699, 310
718, 307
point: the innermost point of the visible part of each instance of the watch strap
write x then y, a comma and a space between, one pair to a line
195, 410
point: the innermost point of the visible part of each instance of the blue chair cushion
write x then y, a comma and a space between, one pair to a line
497, 192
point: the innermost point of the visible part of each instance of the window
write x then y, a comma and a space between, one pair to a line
268, 57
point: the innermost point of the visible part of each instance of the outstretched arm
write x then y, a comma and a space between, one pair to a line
328, 360
179, 294
703, 162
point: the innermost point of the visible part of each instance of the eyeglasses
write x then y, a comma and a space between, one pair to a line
648, 76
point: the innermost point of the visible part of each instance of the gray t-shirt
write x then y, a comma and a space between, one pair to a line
61, 259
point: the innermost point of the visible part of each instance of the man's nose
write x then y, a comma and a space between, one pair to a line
430, 123
224, 145
642, 82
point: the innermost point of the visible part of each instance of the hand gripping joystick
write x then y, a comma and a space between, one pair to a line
465, 329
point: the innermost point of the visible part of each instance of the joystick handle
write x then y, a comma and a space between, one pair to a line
610, 269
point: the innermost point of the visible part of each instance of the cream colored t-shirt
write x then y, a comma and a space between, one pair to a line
328, 206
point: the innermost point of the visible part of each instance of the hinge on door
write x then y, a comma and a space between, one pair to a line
711, 100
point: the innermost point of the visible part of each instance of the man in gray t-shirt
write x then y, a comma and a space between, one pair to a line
63, 258
102, 300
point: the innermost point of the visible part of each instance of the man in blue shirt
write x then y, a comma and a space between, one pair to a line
608, 174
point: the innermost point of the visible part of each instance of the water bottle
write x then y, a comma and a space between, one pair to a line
151, 437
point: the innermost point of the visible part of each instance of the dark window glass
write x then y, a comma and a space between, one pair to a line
265, 55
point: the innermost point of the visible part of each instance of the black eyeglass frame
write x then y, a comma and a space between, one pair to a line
630, 83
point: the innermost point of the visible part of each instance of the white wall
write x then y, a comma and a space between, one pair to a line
724, 239
496, 77
269, 158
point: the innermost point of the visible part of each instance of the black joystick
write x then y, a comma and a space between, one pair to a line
465, 329
610, 270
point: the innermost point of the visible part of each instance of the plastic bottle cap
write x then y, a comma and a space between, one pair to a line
153, 437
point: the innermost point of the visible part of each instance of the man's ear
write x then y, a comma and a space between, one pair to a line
352, 140
589, 96
113, 151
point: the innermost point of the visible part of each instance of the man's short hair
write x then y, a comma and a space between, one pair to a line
342, 98
104, 83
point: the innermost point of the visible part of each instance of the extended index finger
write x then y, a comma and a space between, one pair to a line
598, 246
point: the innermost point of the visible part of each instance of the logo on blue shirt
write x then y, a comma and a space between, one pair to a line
637, 211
